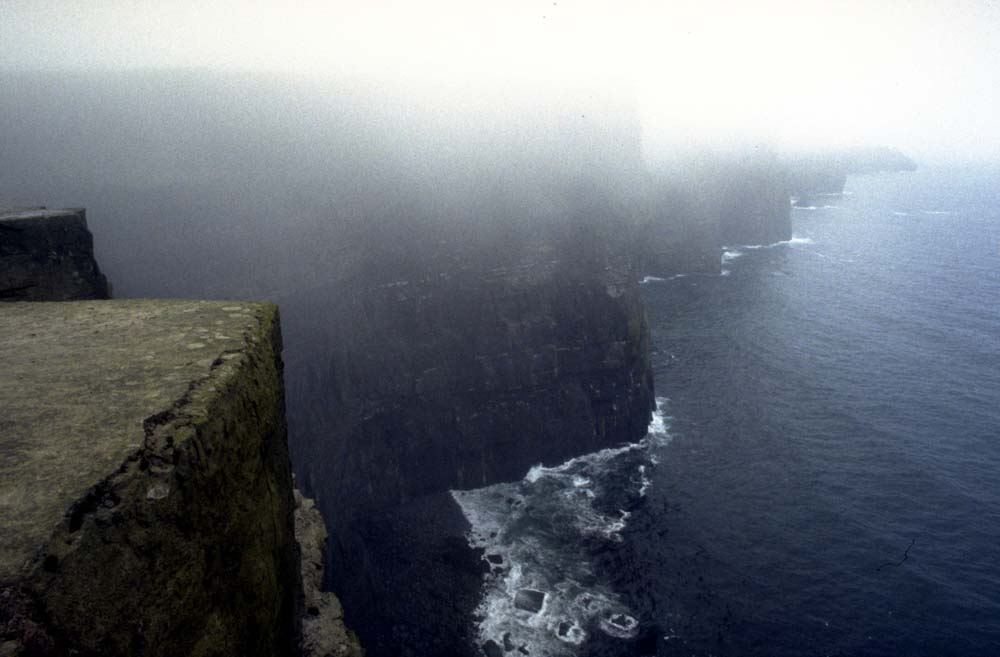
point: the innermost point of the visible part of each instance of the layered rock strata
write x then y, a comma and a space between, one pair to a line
145, 491
48, 255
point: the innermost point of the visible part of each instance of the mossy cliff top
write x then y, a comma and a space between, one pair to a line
145, 495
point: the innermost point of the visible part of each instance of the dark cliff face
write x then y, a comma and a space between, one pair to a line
460, 378
455, 344
454, 376
48, 255
755, 204
698, 205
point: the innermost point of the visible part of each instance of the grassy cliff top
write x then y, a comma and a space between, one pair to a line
78, 380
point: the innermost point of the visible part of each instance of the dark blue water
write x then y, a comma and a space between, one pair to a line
830, 479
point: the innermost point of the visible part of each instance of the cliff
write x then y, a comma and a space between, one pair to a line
825, 172
754, 196
699, 204
145, 490
460, 378
48, 255
454, 347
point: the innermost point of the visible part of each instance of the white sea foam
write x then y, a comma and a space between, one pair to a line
725, 272
938, 212
656, 279
903, 214
754, 247
539, 528
816, 207
644, 479
732, 254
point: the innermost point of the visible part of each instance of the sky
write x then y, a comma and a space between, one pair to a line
923, 75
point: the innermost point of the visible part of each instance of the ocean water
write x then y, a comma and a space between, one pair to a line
822, 476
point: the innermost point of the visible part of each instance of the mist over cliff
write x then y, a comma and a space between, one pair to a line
193, 172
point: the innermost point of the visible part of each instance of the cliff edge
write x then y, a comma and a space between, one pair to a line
145, 490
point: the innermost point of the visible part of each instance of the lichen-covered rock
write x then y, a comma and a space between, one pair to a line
145, 491
48, 255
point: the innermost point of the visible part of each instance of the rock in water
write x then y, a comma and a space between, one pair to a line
529, 600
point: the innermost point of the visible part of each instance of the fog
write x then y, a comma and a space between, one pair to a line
919, 75
209, 141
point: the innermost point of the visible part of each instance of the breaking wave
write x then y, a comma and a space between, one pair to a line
656, 279
736, 249
540, 536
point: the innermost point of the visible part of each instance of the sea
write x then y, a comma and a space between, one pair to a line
822, 473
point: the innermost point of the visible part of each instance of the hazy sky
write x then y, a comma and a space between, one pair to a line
920, 74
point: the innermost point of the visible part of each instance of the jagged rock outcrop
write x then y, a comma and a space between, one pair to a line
145, 490
48, 255
323, 631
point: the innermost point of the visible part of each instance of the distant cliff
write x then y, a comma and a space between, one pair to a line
700, 204
48, 255
825, 172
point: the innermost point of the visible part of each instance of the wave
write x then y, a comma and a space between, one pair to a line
539, 537
731, 255
816, 207
656, 279
937, 212
903, 214
753, 247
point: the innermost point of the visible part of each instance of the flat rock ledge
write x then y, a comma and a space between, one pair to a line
146, 498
